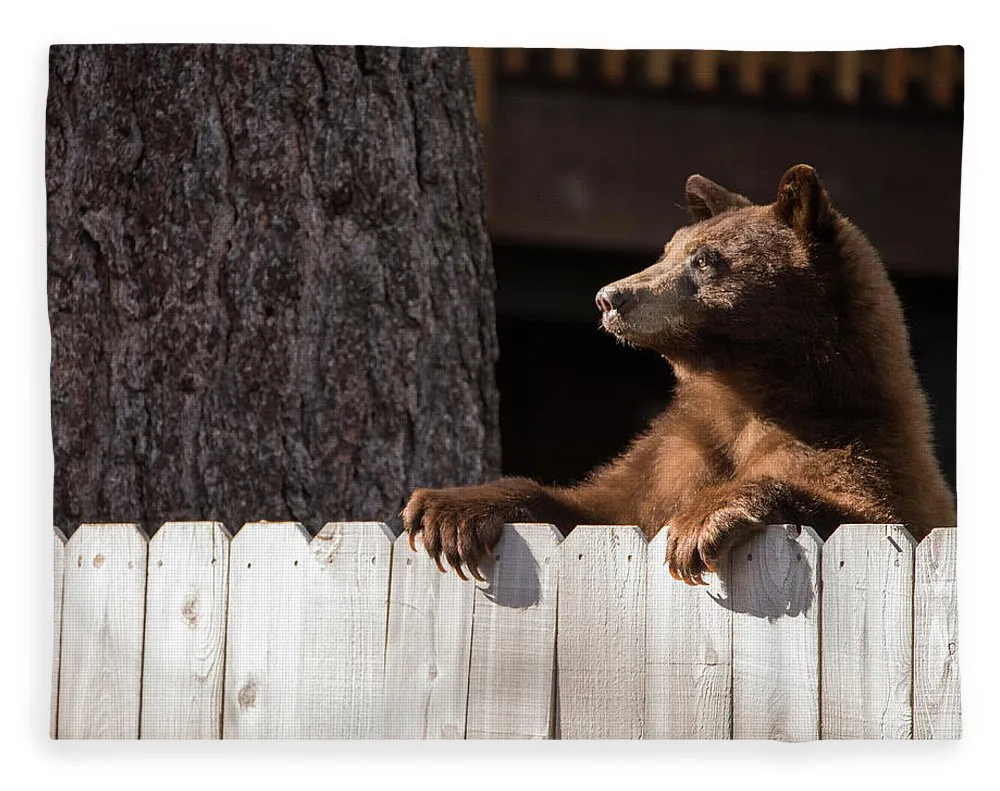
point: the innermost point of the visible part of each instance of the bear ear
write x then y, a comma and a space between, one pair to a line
706, 198
802, 203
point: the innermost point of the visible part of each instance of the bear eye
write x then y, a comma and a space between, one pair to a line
702, 260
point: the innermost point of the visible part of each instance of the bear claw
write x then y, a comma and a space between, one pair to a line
451, 531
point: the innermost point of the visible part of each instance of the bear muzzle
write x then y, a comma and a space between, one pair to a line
610, 299
613, 303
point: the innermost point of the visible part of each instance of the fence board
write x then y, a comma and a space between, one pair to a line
688, 654
601, 633
513, 638
346, 609
867, 633
774, 593
428, 645
267, 571
306, 639
937, 703
101, 647
58, 563
184, 652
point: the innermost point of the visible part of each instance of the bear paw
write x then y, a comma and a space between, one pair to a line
456, 523
696, 546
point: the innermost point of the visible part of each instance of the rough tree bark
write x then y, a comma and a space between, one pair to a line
270, 285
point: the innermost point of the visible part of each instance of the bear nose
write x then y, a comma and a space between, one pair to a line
609, 298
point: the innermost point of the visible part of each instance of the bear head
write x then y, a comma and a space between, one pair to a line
741, 278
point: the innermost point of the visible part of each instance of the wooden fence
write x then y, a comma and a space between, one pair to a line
269, 634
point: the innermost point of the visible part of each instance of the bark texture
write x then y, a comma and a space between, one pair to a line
270, 284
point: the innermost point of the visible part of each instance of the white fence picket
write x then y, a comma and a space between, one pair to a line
306, 634
774, 593
346, 610
101, 647
867, 633
937, 703
427, 648
58, 564
513, 638
688, 654
184, 651
601, 633
267, 583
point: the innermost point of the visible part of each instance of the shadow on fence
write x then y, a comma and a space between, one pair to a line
779, 583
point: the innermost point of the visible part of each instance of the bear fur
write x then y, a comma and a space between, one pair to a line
797, 400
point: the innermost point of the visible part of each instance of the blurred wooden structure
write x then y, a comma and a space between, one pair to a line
929, 77
589, 149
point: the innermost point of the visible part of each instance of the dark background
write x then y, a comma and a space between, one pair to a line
587, 155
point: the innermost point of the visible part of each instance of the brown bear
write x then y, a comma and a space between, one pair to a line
796, 401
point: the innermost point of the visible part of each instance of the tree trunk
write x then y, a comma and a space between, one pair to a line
270, 284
